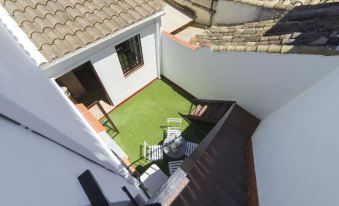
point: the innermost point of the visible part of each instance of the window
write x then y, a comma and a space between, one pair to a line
130, 54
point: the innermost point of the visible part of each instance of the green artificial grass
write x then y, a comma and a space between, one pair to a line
143, 118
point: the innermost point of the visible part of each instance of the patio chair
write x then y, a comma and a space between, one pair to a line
173, 131
177, 122
174, 165
153, 152
191, 146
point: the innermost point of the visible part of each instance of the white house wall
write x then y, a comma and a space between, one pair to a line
259, 82
37, 171
296, 149
33, 100
108, 68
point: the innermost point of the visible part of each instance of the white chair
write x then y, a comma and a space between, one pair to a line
153, 152
191, 146
174, 165
176, 121
173, 131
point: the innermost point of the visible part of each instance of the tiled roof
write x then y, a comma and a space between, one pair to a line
284, 4
306, 30
59, 27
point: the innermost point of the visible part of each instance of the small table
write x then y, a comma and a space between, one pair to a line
172, 152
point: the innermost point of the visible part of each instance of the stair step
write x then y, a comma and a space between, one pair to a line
202, 110
197, 110
209, 111
223, 109
194, 111
216, 113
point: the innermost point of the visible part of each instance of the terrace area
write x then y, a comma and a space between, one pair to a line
143, 118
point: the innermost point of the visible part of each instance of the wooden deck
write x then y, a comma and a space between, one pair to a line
221, 170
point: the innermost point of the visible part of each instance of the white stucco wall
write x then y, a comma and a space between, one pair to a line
105, 61
230, 12
36, 171
259, 82
296, 149
108, 68
39, 170
33, 100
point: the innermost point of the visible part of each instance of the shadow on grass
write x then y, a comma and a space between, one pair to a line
195, 132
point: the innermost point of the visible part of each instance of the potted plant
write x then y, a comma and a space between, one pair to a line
175, 144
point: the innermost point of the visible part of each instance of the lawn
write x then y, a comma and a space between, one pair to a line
143, 118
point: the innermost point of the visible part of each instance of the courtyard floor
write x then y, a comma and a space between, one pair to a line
143, 118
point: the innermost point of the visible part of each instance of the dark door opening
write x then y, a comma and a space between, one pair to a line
84, 85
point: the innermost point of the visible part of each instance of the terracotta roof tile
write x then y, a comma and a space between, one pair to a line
58, 27
306, 30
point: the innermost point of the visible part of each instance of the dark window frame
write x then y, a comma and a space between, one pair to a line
130, 55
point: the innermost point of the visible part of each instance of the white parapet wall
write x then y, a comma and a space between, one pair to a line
259, 82
296, 149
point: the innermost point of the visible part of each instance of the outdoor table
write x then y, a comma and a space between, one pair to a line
171, 151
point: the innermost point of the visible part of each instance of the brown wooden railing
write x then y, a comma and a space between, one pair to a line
106, 116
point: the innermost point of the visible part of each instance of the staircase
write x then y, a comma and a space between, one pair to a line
209, 111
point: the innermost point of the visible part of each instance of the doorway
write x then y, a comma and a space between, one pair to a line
83, 85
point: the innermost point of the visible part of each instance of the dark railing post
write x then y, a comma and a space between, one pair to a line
106, 116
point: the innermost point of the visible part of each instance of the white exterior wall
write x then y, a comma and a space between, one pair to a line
33, 100
230, 12
296, 149
105, 60
108, 68
37, 172
259, 82
43, 170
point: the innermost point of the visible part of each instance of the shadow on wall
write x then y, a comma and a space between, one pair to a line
308, 28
